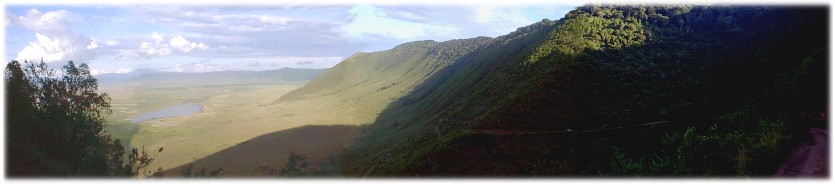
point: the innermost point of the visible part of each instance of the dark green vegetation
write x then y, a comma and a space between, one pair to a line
607, 90
189, 172
54, 126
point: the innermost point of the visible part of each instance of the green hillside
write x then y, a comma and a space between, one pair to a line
370, 81
609, 90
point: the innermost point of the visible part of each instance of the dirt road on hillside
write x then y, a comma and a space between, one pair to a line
810, 159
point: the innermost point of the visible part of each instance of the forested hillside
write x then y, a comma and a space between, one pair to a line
614, 90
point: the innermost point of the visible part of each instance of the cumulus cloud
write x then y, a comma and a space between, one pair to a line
257, 32
93, 45
45, 21
157, 46
180, 43
233, 37
46, 48
54, 41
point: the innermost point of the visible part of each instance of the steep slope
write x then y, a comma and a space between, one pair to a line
370, 81
608, 87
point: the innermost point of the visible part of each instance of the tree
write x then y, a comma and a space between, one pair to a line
296, 165
203, 173
55, 124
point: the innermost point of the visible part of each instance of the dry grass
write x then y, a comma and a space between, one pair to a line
322, 145
232, 114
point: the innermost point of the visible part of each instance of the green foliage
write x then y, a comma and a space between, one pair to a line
296, 166
731, 152
597, 29
702, 68
138, 162
204, 172
54, 125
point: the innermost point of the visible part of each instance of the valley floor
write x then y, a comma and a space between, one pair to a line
238, 119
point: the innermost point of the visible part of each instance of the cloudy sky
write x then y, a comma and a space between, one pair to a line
190, 38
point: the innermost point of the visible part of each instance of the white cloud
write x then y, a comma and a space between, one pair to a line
274, 20
260, 31
54, 40
270, 35
44, 48
197, 67
48, 21
96, 71
450, 22
93, 45
177, 43
369, 22
502, 19
154, 49
123, 70
111, 42
157, 38
184, 45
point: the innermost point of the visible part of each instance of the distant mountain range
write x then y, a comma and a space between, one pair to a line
279, 76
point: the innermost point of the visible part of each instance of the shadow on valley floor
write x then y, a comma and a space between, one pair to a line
321, 144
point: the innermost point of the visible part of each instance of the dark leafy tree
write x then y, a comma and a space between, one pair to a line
296, 166
55, 125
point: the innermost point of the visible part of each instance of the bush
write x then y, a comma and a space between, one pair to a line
722, 150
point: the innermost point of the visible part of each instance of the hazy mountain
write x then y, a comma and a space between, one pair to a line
279, 76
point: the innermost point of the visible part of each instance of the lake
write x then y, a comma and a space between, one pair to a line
178, 110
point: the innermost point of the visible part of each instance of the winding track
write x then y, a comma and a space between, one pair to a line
810, 159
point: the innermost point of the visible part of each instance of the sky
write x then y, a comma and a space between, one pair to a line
120, 38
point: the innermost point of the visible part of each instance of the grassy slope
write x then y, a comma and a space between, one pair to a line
366, 82
406, 128
352, 93
370, 81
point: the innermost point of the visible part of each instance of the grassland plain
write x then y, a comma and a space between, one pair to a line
352, 93
232, 114
234, 111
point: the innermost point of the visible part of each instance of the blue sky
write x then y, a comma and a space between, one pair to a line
191, 38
